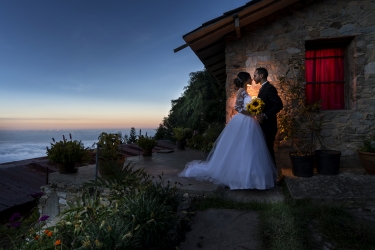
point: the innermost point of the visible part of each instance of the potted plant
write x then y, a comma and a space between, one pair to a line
180, 134
302, 123
366, 154
109, 153
66, 154
298, 121
147, 143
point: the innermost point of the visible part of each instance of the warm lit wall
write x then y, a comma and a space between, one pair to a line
272, 41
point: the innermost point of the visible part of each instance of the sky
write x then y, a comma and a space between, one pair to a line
88, 64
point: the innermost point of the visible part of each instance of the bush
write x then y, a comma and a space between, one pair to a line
109, 145
68, 152
146, 142
181, 133
213, 131
196, 141
138, 214
368, 144
206, 141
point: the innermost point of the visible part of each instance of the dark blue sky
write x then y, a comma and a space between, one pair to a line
96, 64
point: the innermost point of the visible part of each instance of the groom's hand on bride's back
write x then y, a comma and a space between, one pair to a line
261, 117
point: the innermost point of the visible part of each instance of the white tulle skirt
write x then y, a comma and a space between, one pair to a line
239, 159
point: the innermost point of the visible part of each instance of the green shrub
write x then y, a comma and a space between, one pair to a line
196, 141
212, 132
138, 214
146, 142
205, 141
368, 144
151, 218
109, 145
68, 152
181, 133
124, 181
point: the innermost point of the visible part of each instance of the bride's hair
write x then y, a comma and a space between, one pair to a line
241, 78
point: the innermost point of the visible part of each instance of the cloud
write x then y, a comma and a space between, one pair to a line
21, 145
15, 152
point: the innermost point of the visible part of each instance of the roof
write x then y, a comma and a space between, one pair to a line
208, 40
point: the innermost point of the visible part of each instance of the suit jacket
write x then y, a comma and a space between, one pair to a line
273, 105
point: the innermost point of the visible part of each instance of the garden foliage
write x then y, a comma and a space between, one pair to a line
202, 103
136, 212
68, 151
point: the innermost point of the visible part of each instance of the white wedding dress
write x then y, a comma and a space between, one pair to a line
240, 158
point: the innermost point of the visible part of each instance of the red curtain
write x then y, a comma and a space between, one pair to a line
325, 77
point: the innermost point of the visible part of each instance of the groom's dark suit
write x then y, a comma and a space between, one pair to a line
273, 105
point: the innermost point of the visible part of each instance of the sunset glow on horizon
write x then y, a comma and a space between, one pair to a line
96, 64
55, 124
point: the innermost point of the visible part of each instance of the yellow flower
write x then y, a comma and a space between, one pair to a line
128, 235
255, 107
86, 243
102, 224
98, 243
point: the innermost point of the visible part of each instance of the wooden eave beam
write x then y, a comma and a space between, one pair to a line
213, 32
237, 26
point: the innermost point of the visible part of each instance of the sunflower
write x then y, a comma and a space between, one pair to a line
255, 107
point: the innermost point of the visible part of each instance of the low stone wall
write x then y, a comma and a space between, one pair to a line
63, 188
66, 188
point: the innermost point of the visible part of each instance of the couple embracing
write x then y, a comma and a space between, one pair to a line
243, 155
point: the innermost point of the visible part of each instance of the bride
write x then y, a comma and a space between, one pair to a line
240, 158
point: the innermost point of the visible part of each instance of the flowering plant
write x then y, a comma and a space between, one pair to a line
146, 142
368, 144
139, 213
109, 145
255, 107
68, 151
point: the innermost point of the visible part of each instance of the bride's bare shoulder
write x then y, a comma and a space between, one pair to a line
240, 92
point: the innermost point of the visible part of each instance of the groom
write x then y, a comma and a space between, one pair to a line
273, 105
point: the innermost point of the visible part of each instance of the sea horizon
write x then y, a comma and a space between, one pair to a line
17, 145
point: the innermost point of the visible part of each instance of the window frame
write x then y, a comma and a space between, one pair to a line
331, 43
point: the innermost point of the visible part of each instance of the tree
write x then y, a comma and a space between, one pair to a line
202, 103
132, 136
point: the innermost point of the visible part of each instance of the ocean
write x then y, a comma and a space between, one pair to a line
16, 145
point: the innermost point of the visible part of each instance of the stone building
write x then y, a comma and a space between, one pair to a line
269, 33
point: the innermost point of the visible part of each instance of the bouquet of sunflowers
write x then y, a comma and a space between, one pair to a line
255, 107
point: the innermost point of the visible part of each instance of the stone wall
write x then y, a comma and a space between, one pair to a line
64, 188
272, 41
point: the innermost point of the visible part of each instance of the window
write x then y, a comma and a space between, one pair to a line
325, 78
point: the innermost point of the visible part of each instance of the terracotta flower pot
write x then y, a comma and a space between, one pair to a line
367, 161
66, 168
147, 152
180, 145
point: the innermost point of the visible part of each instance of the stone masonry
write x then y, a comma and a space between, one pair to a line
271, 42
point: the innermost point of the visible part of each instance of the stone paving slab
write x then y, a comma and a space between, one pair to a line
169, 165
229, 229
352, 186
253, 195
173, 163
